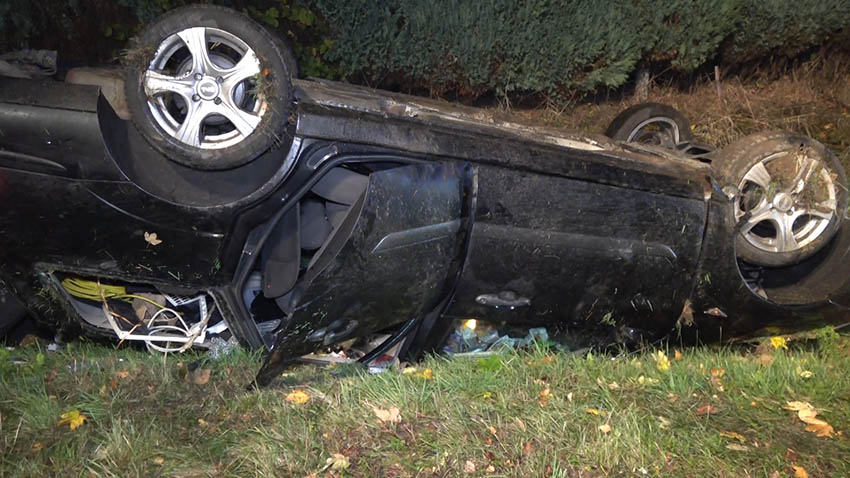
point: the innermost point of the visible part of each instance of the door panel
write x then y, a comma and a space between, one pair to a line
552, 249
387, 263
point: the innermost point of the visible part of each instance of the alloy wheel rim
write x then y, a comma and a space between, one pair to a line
201, 88
665, 132
787, 201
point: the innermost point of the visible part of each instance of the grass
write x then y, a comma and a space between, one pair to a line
492, 416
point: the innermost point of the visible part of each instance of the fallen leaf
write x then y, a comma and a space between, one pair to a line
298, 397
544, 395
392, 415
201, 376
797, 406
491, 469
37, 446
337, 462
718, 372
821, 430
469, 467
778, 342
122, 373
737, 447
706, 409
663, 423
520, 424
159, 460
548, 359
613, 386
716, 382
605, 428
807, 374
409, 370
594, 411
677, 355
487, 395
72, 418
570, 397
800, 472
527, 448
661, 361
427, 374
492, 430
150, 238
734, 436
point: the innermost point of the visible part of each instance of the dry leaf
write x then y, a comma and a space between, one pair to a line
37, 446
778, 342
677, 355
570, 397
491, 469
808, 415
594, 411
469, 467
605, 428
807, 374
492, 430
520, 424
393, 415
427, 374
544, 395
821, 430
613, 386
201, 376
800, 472
337, 462
706, 409
663, 422
797, 406
408, 370
737, 447
150, 238
527, 448
159, 460
72, 418
122, 373
298, 397
734, 436
661, 361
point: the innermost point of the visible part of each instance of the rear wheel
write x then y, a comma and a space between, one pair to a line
791, 196
210, 88
651, 123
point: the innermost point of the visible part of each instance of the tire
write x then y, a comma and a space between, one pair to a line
219, 103
651, 123
790, 196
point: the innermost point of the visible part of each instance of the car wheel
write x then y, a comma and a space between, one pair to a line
651, 123
791, 196
210, 88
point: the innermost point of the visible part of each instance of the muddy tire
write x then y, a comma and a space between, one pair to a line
651, 123
791, 196
210, 88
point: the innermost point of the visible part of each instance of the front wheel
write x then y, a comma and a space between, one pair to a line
210, 88
791, 196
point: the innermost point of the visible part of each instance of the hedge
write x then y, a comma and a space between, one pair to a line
472, 47
469, 47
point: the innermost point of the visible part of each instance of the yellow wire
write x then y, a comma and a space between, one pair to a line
91, 290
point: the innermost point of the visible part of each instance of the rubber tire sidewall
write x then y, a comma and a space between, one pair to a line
733, 162
626, 122
276, 128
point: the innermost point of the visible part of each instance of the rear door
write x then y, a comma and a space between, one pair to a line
618, 246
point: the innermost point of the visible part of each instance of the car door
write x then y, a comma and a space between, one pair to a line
584, 240
390, 260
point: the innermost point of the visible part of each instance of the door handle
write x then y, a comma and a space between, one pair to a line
505, 298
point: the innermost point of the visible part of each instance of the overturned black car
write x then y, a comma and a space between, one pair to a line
231, 198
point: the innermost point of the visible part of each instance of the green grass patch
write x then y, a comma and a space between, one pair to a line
717, 411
